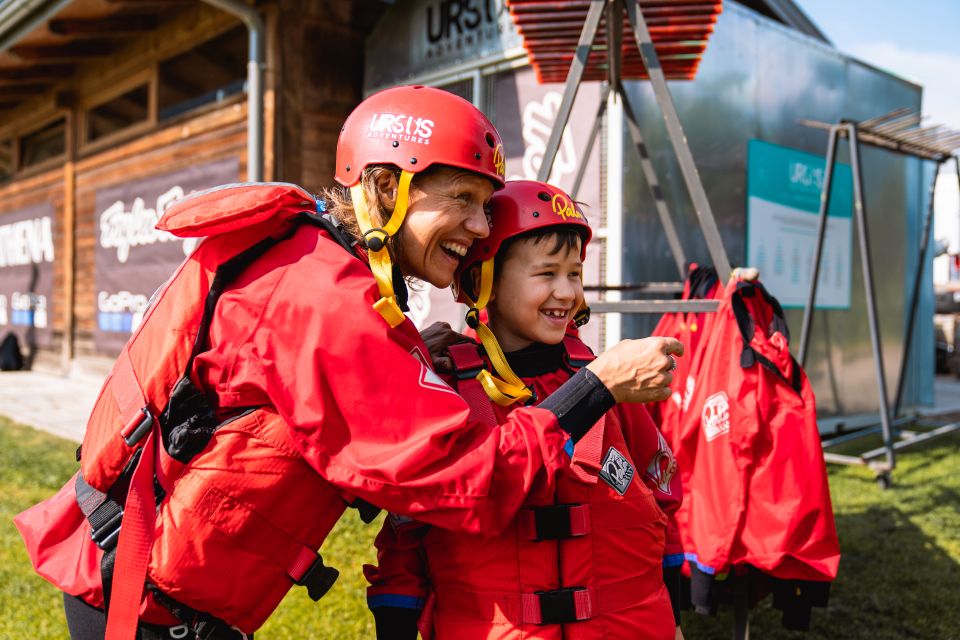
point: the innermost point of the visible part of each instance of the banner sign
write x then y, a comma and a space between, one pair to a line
783, 205
132, 258
26, 274
428, 35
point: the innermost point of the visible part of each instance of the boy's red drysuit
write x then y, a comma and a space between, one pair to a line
602, 535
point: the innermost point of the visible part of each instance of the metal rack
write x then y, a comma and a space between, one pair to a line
602, 54
899, 132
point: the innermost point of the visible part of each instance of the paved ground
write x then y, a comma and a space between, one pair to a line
60, 405
47, 401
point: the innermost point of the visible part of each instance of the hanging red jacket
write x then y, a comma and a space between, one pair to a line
601, 543
758, 494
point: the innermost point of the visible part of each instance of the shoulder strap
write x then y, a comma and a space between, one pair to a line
579, 355
468, 364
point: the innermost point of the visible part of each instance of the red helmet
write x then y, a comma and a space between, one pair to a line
522, 206
416, 127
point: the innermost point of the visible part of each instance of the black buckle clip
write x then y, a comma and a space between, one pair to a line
318, 579
558, 606
553, 522
135, 432
105, 536
375, 239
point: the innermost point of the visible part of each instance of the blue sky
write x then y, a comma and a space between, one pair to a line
918, 39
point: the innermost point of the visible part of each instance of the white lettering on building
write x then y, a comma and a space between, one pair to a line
123, 228
26, 242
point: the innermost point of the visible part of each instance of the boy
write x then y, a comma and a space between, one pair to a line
584, 559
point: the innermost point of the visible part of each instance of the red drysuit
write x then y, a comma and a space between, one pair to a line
757, 493
297, 331
483, 586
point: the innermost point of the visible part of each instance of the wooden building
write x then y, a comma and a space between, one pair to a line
110, 110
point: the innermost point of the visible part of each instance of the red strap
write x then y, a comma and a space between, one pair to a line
587, 453
578, 353
466, 361
465, 356
126, 390
524, 608
302, 563
579, 516
133, 548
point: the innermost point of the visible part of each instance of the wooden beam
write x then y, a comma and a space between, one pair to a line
73, 52
153, 4
24, 85
36, 73
17, 95
112, 27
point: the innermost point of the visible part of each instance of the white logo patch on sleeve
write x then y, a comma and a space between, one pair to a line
716, 416
617, 471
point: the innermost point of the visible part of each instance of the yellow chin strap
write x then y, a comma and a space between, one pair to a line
509, 388
375, 239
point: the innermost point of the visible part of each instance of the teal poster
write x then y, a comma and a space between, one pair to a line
783, 204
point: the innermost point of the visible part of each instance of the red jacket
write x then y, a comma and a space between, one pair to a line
757, 494
483, 586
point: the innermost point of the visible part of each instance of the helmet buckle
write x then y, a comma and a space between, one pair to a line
375, 239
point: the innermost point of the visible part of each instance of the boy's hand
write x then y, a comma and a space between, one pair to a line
638, 370
438, 337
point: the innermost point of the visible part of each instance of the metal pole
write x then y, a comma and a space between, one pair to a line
679, 141
861, 215
255, 63
574, 76
594, 132
654, 185
915, 293
818, 255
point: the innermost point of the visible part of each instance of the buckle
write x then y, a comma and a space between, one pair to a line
105, 534
135, 430
318, 579
552, 523
560, 606
375, 239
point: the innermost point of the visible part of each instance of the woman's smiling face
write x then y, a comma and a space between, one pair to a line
444, 217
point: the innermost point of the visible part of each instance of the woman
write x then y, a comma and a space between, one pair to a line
312, 333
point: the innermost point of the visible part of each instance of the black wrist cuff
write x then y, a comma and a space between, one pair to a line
579, 403
396, 623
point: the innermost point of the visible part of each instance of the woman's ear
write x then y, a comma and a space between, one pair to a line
386, 184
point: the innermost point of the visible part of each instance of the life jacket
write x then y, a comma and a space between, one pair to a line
219, 517
588, 565
757, 497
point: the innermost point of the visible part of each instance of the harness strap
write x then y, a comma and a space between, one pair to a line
579, 355
554, 522
133, 547
558, 606
467, 365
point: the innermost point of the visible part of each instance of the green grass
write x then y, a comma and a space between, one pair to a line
899, 574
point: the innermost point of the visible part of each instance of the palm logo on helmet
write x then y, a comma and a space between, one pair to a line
412, 128
521, 207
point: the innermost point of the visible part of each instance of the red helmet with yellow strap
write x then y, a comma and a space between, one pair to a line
412, 128
520, 207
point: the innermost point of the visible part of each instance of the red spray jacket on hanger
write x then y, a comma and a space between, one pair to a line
757, 492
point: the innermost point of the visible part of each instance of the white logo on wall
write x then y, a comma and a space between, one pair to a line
538, 119
716, 416
24, 310
122, 311
123, 228
26, 242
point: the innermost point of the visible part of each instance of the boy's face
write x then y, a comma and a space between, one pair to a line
535, 293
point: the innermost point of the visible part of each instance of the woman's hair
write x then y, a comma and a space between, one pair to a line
340, 204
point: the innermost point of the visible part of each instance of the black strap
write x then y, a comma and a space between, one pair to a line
203, 625
558, 606
553, 522
745, 323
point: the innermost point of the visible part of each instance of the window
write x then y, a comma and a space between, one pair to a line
463, 88
118, 113
207, 74
6, 160
43, 144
